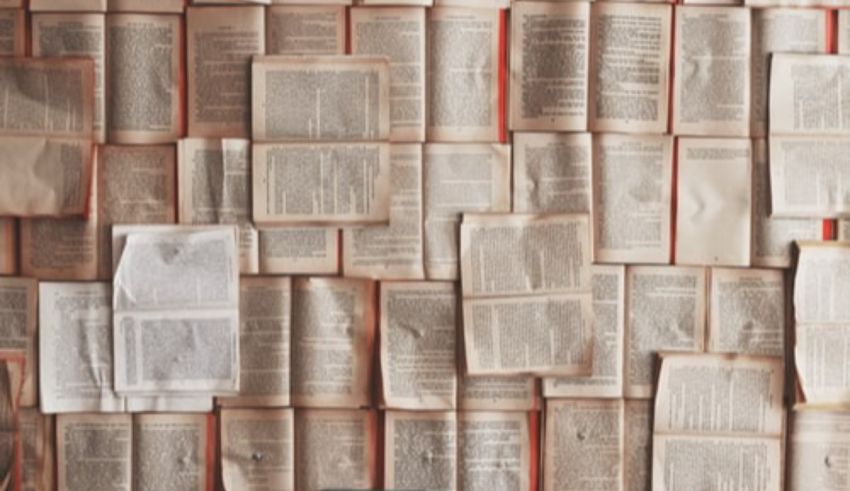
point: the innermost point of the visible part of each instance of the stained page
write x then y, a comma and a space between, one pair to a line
257, 449
551, 172
305, 30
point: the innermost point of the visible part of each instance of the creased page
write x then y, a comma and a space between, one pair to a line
214, 186
94, 452
714, 193
747, 311
810, 176
494, 451
333, 331
220, 43
666, 312
494, 393
806, 93
37, 450
773, 237
305, 29
583, 444
176, 315
629, 67
13, 31
463, 82
399, 34
418, 330
75, 35
606, 376
458, 179
781, 30
8, 246
395, 251
712, 52
298, 250
818, 442
264, 347
632, 198
414, 462
549, 65
335, 449
143, 109
637, 443
257, 449
291, 184
19, 317
551, 172
75, 348
173, 448
297, 98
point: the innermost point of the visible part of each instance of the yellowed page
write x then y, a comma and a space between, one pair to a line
90, 446
583, 445
606, 377
38, 452
8, 246
551, 172
264, 342
805, 94
418, 329
666, 312
494, 451
298, 250
747, 311
19, 316
459, 179
220, 42
67, 6
632, 198
75, 35
637, 443
142, 109
495, 393
713, 214
711, 88
152, 6
629, 67
333, 333
298, 98
395, 251
335, 448
13, 34
257, 449
550, 49
463, 69
414, 462
305, 30
290, 186
167, 447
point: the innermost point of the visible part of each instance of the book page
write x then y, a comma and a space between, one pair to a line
843, 32
629, 67
414, 462
463, 75
38, 453
297, 98
13, 33
583, 444
67, 6
398, 34
257, 449
418, 329
494, 451
816, 440
780, 30
214, 187
821, 282
335, 448
169, 404
821, 359
8, 246
773, 237
551, 172
176, 297
19, 318
75, 348
289, 186
153, 6
666, 312
264, 342
75, 35
485, 393
458, 179
395, 251
711, 88
220, 44
172, 448
606, 377
808, 176
632, 198
714, 193
805, 94
333, 333
637, 445
92, 446
747, 311
142, 109
305, 30
298, 250
549, 66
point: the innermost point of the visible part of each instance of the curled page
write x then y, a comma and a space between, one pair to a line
176, 314
305, 29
